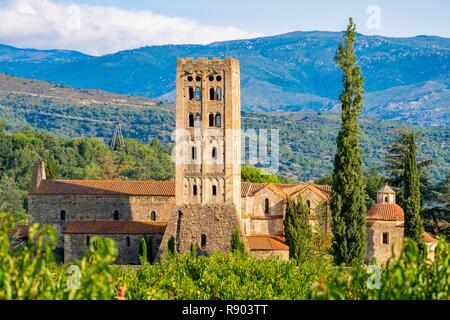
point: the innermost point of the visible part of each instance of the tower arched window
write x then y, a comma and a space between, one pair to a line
203, 240
386, 199
194, 153
62, 215
211, 94
191, 93
194, 190
153, 215
211, 120
218, 120
191, 120
219, 93
214, 190
214, 153
197, 94
116, 215
266, 205
198, 121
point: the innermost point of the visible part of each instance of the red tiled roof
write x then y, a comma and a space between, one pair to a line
428, 238
386, 212
115, 227
141, 188
107, 187
265, 243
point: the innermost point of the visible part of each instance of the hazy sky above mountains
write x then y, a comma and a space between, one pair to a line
106, 26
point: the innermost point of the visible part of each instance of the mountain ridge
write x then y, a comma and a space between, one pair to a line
294, 71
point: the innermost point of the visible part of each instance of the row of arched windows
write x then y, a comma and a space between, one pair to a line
213, 120
214, 94
195, 190
194, 153
198, 78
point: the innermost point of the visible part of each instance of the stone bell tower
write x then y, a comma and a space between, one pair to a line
208, 125
208, 155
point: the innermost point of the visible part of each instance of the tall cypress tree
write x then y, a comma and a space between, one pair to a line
348, 196
411, 190
297, 230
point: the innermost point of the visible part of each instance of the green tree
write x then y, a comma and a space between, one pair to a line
411, 190
143, 250
236, 244
297, 230
252, 174
348, 196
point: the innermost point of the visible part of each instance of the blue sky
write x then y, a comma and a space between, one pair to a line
105, 26
398, 17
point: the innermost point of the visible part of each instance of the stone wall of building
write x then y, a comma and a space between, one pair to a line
266, 254
375, 247
75, 245
267, 226
46, 209
189, 222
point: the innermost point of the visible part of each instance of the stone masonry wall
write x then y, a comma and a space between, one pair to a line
375, 247
75, 245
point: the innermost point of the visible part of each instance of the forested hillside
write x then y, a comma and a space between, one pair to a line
307, 139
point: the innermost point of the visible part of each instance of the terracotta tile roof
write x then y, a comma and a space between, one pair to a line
115, 227
428, 238
385, 211
107, 187
143, 188
313, 187
265, 243
257, 217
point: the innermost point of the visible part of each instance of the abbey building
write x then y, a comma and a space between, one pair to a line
207, 200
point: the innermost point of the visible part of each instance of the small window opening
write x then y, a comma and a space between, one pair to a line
116, 215
211, 94
266, 205
211, 120
194, 190
194, 153
219, 93
198, 94
214, 153
308, 203
153, 216
211, 78
128, 242
198, 121
191, 93
214, 190
62, 215
190, 78
385, 237
191, 120
198, 78
219, 78
218, 120
386, 199
203, 240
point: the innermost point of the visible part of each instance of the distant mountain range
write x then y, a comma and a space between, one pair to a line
406, 79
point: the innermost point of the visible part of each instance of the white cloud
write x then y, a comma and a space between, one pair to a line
97, 30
